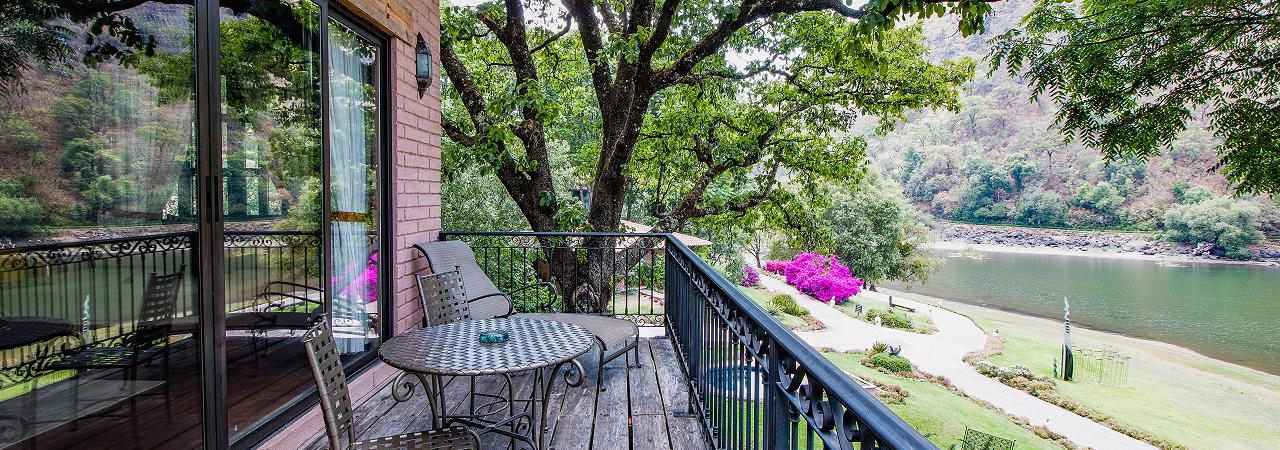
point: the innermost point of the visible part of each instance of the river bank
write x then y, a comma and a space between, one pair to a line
959, 236
1170, 391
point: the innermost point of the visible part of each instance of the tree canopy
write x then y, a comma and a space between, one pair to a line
878, 235
1130, 74
699, 104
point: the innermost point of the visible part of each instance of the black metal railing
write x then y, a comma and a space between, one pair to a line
629, 280
96, 286
753, 383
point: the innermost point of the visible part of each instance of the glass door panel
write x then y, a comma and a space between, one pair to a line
98, 296
272, 203
354, 189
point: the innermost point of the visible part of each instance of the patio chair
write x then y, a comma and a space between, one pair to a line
336, 408
444, 300
147, 341
615, 336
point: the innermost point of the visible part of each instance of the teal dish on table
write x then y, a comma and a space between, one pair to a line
494, 336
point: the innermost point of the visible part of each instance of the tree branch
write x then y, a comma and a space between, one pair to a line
589, 29
456, 134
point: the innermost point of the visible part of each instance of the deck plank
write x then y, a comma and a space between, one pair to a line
611, 428
643, 385
576, 420
635, 411
683, 432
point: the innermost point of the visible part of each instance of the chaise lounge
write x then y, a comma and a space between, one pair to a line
615, 336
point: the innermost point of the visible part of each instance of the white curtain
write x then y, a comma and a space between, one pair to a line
352, 171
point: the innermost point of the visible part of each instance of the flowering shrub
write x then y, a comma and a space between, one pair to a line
822, 277
751, 277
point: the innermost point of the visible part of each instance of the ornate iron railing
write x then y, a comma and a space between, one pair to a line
96, 286
630, 277
753, 383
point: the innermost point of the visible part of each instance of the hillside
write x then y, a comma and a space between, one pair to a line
1000, 159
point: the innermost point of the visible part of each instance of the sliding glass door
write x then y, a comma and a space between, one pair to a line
185, 190
99, 268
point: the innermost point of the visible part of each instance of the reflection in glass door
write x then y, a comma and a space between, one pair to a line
272, 202
99, 283
353, 187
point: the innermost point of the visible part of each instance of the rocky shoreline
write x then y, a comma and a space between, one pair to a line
1087, 241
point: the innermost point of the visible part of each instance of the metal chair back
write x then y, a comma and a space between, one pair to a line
488, 299
444, 299
331, 381
159, 303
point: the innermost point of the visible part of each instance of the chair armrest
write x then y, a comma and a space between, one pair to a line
511, 305
547, 284
269, 294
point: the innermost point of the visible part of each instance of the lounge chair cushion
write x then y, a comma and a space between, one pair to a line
487, 301
612, 331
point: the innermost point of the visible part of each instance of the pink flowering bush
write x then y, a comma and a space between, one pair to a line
750, 277
822, 277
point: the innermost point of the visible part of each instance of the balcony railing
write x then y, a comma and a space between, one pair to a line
97, 285
753, 383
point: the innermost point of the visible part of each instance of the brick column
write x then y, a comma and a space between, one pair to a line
415, 153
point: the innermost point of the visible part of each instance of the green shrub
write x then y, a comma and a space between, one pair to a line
786, 304
1231, 226
879, 347
889, 318
892, 363
19, 216
19, 134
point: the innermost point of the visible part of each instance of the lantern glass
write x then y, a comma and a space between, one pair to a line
422, 65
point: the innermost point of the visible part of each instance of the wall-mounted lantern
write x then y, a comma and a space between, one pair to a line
422, 58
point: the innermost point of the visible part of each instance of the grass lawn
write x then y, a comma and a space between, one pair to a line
919, 322
762, 296
637, 301
939, 414
20, 389
1172, 393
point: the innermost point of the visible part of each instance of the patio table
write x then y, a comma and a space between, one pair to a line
542, 347
23, 331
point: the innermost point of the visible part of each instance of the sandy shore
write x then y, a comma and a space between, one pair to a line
1135, 256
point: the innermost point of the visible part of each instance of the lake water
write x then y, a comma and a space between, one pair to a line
1229, 312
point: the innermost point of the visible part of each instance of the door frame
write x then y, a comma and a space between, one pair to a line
210, 224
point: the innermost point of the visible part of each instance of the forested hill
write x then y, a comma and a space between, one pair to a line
1000, 158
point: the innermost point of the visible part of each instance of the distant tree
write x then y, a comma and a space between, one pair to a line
477, 201
1021, 170
878, 234
1229, 225
1129, 76
1102, 198
1188, 193
1041, 208
92, 168
20, 134
982, 191
19, 216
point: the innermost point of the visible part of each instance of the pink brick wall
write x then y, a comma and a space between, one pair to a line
415, 204
415, 173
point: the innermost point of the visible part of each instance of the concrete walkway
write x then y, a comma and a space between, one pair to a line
942, 354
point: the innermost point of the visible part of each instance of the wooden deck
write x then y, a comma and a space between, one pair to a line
636, 410
255, 388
